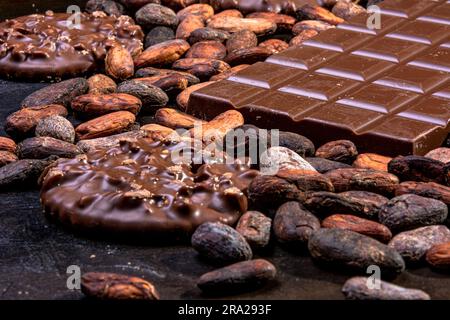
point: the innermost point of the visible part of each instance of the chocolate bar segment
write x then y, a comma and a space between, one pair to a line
386, 89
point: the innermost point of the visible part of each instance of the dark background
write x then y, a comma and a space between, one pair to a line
35, 254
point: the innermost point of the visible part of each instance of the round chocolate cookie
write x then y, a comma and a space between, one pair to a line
53, 46
137, 189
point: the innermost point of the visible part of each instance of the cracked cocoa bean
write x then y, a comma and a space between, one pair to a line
438, 256
151, 96
410, 211
417, 168
22, 173
220, 243
340, 150
355, 251
56, 127
324, 165
43, 147
255, 228
425, 189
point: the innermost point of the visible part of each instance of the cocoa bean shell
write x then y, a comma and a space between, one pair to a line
101, 84
151, 96
44, 147
205, 34
417, 168
90, 105
207, 49
340, 150
255, 227
324, 165
56, 127
152, 15
109, 124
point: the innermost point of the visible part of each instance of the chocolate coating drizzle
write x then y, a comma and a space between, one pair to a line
137, 189
44, 47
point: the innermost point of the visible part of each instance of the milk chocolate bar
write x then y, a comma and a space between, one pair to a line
387, 89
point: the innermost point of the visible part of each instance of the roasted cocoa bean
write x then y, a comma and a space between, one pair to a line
276, 159
7, 157
22, 123
7, 144
43, 147
112, 286
360, 203
161, 54
207, 49
324, 165
363, 180
109, 124
56, 127
228, 73
178, 4
229, 13
363, 226
91, 145
22, 173
246, 275
347, 9
158, 35
119, 63
158, 132
255, 228
340, 150
137, 4
241, 40
425, 189
410, 211
169, 83
101, 84
315, 25
61, 93
151, 96
201, 67
357, 289
187, 26
220, 243
153, 15
355, 251
300, 144
417, 168
293, 225
183, 97
218, 127
111, 8
306, 181
233, 24
91, 105
372, 161
438, 256
274, 45
414, 244
201, 10
310, 12
439, 154
247, 56
302, 37
283, 21
174, 119
150, 72
205, 34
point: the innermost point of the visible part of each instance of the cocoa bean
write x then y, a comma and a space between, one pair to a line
170, 82
425, 189
438, 256
22, 173
101, 84
417, 168
352, 250
201, 67
372, 161
306, 181
61, 93
7, 144
233, 24
360, 203
340, 150
356, 224
151, 96
283, 21
229, 13
297, 143
363, 180
7, 157
274, 45
228, 73
293, 224
111, 8
414, 244
243, 39
159, 133
439, 154
201, 10
207, 49
220, 243
217, 128
137, 4
357, 289
302, 37
109, 124
205, 34
187, 26
183, 97
150, 72
22, 123
247, 56
153, 15
161, 54
178, 4
174, 119
91, 105
43, 147
158, 35
276, 159
324, 165
56, 127
315, 25
347, 9
112, 286
246, 275
119, 63
255, 228
310, 12
91, 145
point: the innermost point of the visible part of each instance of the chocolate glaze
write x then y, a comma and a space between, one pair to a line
137, 189
248, 6
42, 47
387, 89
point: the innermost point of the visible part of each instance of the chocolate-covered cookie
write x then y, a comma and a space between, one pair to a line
54, 45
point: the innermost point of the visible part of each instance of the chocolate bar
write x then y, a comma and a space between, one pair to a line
386, 89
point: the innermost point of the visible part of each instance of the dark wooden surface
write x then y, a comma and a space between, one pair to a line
35, 254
